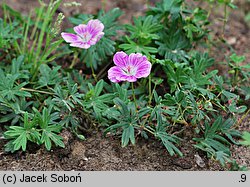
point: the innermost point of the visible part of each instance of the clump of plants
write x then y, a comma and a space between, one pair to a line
144, 79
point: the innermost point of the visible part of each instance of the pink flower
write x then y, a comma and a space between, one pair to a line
86, 35
129, 68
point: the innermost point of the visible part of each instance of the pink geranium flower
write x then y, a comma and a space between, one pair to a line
86, 35
129, 67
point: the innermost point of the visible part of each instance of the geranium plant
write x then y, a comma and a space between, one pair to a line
174, 86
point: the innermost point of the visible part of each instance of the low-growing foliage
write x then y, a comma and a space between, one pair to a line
160, 85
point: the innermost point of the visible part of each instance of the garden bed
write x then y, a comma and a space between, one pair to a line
105, 153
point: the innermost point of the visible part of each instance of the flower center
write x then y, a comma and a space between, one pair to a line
129, 70
86, 36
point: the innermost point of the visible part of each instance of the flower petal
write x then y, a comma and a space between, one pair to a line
135, 59
80, 29
143, 69
130, 78
95, 39
115, 73
95, 26
121, 59
70, 38
82, 45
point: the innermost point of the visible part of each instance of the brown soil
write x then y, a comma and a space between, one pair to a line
105, 153
99, 153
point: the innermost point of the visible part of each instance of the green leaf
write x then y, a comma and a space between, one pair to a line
246, 139
172, 45
229, 95
121, 106
217, 145
167, 7
237, 59
14, 131
168, 141
222, 157
128, 134
48, 136
214, 128
49, 76
144, 29
132, 47
20, 141
16, 64
99, 87
114, 127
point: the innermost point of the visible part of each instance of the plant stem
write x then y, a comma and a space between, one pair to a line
74, 60
236, 74
133, 90
242, 118
103, 71
93, 72
149, 89
38, 91
146, 129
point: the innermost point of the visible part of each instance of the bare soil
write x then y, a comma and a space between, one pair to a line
99, 153
105, 153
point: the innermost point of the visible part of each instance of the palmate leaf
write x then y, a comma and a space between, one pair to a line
158, 112
169, 141
67, 97
19, 136
222, 157
125, 115
16, 67
237, 59
49, 76
144, 28
212, 150
142, 35
196, 24
132, 47
109, 19
217, 145
48, 135
165, 8
49, 127
115, 127
229, 131
20, 141
246, 138
128, 134
9, 89
175, 76
200, 63
99, 103
214, 142
13, 111
9, 33
173, 45
69, 118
